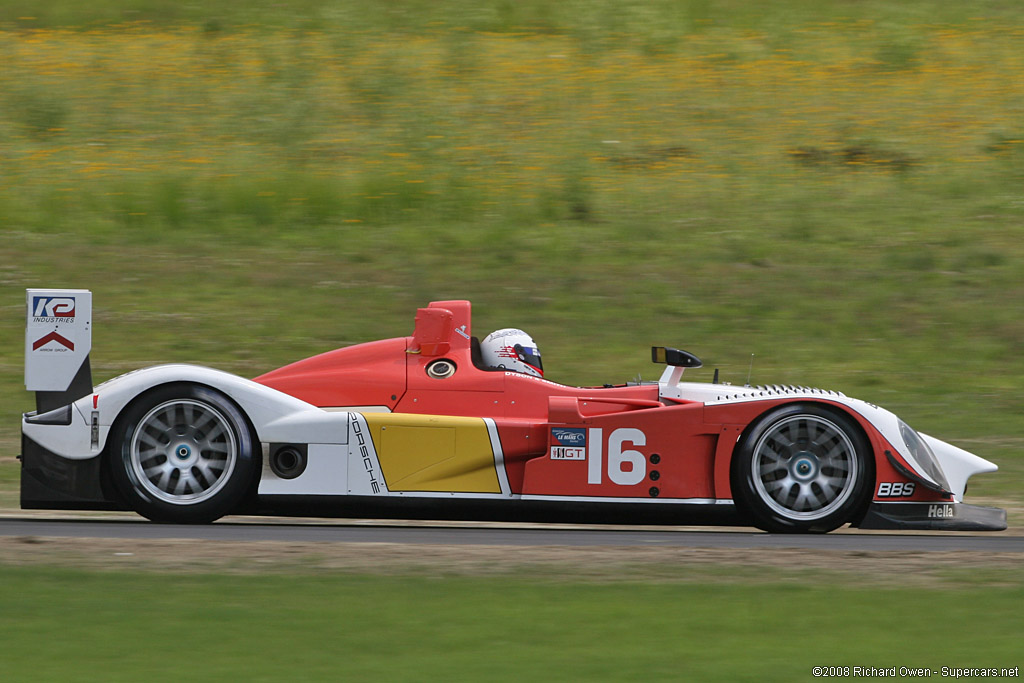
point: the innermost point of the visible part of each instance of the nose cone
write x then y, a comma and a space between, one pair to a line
958, 465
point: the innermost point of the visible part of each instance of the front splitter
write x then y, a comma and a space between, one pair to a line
934, 517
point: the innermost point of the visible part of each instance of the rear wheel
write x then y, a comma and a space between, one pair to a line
183, 453
803, 468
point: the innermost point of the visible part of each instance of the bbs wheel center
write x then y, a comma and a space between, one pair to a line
804, 467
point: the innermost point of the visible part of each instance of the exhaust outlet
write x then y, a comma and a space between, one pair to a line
288, 461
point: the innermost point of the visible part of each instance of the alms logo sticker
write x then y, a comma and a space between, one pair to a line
53, 309
568, 444
569, 437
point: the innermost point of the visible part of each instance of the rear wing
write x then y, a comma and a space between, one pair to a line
58, 339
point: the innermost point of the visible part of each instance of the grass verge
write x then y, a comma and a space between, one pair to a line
73, 625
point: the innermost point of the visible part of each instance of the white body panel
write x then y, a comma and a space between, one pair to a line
365, 476
326, 473
957, 464
58, 336
71, 441
276, 416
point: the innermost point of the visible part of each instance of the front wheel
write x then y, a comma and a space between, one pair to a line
183, 453
803, 468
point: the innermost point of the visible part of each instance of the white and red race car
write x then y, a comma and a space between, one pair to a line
419, 427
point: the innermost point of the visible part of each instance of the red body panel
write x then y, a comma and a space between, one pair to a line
636, 445
663, 452
370, 374
735, 417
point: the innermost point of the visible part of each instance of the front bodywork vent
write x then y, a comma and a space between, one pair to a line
778, 390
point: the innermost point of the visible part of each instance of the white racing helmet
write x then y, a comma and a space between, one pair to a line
511, 349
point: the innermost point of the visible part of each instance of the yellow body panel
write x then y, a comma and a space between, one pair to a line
434, 453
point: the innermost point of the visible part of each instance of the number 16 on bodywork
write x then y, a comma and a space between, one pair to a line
625, 466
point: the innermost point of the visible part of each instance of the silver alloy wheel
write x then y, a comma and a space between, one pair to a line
183, 451
804, 467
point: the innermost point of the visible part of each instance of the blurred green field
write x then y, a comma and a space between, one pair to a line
118, 626
833, 187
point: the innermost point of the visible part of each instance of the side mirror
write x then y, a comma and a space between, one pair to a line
674, 357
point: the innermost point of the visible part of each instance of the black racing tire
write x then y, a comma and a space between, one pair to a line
803, 468
183, 453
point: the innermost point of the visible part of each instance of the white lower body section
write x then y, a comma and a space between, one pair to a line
352, 467
365, 477
348, 466
499, 458
326, 473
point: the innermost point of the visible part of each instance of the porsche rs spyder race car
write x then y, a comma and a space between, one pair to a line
430, 425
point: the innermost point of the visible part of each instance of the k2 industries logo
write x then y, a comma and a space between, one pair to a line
53, 309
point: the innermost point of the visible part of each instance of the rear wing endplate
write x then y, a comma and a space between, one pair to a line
58, 339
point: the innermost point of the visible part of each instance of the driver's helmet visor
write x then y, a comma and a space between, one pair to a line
531, 356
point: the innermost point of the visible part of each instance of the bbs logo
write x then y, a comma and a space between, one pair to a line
896, 489
53, 307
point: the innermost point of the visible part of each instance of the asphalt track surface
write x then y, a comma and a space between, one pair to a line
364, 531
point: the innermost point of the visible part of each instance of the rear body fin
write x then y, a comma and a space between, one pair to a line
58, 339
